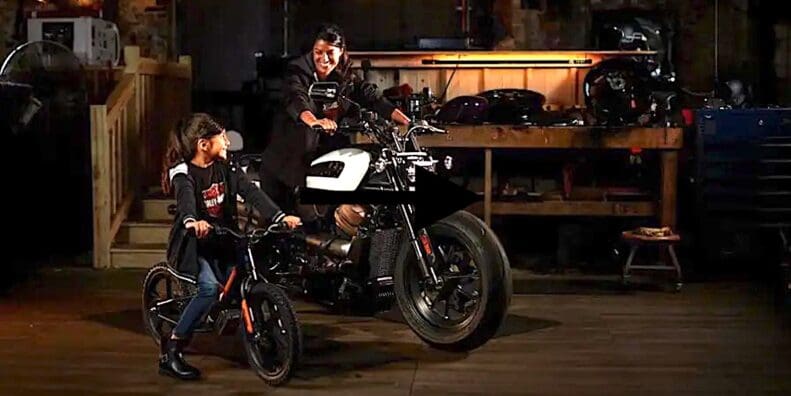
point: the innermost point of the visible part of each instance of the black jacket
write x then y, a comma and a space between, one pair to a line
182, 252
294, 145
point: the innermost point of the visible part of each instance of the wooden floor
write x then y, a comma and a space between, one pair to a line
78, 332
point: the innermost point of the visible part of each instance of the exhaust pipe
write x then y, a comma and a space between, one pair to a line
329, 245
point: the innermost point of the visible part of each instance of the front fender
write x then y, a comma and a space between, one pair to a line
251, 287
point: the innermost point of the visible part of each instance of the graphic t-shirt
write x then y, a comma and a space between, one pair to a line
211, 185
332, 110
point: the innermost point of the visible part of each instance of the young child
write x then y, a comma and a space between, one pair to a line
205, 186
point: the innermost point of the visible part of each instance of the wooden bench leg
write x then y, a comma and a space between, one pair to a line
673, 257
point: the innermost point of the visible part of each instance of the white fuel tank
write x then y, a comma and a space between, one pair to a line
339, 170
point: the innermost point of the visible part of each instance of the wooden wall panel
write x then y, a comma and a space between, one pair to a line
419, 78
504, 78
556, 84
464, 82
560, 81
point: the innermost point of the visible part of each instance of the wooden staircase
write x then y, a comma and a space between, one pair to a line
142, 239
129, 132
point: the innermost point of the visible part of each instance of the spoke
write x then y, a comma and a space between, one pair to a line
442, 253
465, 293
472, 276
166, 319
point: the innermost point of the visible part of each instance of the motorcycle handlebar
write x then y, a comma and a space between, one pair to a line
413, 128
424, 126
342, 128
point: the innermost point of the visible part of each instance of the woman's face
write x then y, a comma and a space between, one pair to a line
326, 57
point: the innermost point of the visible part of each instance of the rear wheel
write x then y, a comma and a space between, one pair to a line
164, 299
274, 347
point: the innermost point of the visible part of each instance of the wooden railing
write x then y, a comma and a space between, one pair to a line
128, 137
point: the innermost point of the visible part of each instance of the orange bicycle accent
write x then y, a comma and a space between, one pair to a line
247, 320
227, 287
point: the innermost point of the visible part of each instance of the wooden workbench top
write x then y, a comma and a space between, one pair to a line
510, 136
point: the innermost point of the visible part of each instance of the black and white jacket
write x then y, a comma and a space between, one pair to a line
182, 252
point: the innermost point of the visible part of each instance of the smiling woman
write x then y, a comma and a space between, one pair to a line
294, 144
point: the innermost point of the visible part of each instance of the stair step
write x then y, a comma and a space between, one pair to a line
144, 232
137, 255
156, 209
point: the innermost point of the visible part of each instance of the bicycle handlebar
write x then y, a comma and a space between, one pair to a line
274, 228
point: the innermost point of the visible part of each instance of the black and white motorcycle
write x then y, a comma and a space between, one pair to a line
451, 279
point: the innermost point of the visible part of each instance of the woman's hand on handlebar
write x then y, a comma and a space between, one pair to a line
327, 125
201, 228
292, 221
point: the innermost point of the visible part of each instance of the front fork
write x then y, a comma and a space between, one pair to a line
420, 240
421, 244
247, 284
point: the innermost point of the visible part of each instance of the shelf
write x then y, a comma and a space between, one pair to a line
452, 59
572, 208
537, 137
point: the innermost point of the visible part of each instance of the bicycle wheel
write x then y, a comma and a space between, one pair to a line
273, 341
164, 298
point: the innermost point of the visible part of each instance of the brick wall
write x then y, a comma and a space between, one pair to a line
150, 30
7, 20
566, 24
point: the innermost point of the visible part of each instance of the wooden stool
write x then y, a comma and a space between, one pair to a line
665, 241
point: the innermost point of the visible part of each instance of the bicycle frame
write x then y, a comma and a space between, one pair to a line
251, 278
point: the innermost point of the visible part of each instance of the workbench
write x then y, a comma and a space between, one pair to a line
489, 138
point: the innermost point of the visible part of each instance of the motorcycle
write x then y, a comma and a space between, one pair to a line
451, 280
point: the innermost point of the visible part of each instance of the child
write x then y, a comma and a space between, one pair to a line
205, 186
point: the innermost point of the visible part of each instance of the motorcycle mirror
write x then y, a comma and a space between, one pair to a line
366, 66
427, 93
324, 91
236, 141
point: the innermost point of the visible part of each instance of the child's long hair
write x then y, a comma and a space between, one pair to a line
183, 142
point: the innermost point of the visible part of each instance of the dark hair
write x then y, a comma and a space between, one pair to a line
333, 34
183, 141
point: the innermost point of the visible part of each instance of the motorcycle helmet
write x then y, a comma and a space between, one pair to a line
463, 109
735, 93
618, 91
513, 106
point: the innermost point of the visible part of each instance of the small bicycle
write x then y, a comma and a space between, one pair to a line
260, 311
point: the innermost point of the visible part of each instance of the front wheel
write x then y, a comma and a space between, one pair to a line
273, 340
471, 305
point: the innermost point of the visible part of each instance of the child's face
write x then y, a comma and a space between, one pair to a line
215, 147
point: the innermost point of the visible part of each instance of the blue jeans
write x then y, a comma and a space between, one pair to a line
208, 290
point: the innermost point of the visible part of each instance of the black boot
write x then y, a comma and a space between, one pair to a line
171, 361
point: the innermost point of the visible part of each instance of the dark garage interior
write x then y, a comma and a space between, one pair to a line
396, 197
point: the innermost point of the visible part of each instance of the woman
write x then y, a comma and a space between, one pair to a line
294, 145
